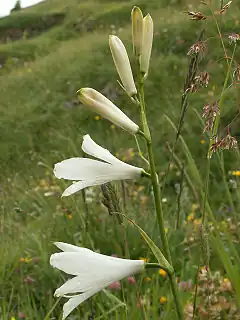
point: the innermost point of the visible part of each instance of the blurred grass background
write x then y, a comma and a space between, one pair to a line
49, 51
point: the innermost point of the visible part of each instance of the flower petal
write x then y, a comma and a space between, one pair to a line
68, 247
80, 169
77, 186
67, 262
81, 283
113, 174
74, 285
73, 302
95, 265
93, 149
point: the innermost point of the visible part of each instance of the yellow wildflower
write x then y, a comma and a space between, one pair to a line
147, 279
236, 173
163, 300
190, 217
202, 141
97, 118
162, 273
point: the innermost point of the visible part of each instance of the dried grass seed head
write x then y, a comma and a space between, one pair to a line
211, 110
199, 47
225, 7
196, 15
203, 79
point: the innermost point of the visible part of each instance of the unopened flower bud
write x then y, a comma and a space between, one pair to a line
137, 30
147, 40
103, 106
122, 63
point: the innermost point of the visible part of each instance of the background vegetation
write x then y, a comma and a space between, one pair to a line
49, 51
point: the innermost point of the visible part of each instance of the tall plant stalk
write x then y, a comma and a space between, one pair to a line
157, 193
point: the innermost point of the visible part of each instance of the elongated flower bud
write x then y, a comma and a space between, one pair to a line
137, 30
122, 64
147, 40
100, 104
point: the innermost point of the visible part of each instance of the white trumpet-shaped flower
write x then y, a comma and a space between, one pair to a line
147, 40
93, 172
100, 104
92, 273
122, 63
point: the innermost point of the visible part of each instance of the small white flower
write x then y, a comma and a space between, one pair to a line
122, 63
93, 172
137, 30
100, 104
93, 272
147, 40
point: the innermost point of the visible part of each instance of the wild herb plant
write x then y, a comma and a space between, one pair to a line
94, 272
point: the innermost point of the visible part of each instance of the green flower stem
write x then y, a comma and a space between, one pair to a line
158, 266
157, 195
152, 265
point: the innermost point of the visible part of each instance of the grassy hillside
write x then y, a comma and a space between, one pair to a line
48, 52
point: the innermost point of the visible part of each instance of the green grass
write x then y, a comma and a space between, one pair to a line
41, 124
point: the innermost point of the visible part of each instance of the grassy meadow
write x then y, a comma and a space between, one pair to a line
48, 52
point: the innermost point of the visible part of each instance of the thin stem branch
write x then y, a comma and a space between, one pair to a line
140, 151
192, 71
217, 119
220, 36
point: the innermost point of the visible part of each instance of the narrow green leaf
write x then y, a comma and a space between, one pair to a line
155, 250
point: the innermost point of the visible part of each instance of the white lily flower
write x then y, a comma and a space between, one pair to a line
122, 63
93, 272
147, 40
137, 30
93, 172
103, 106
